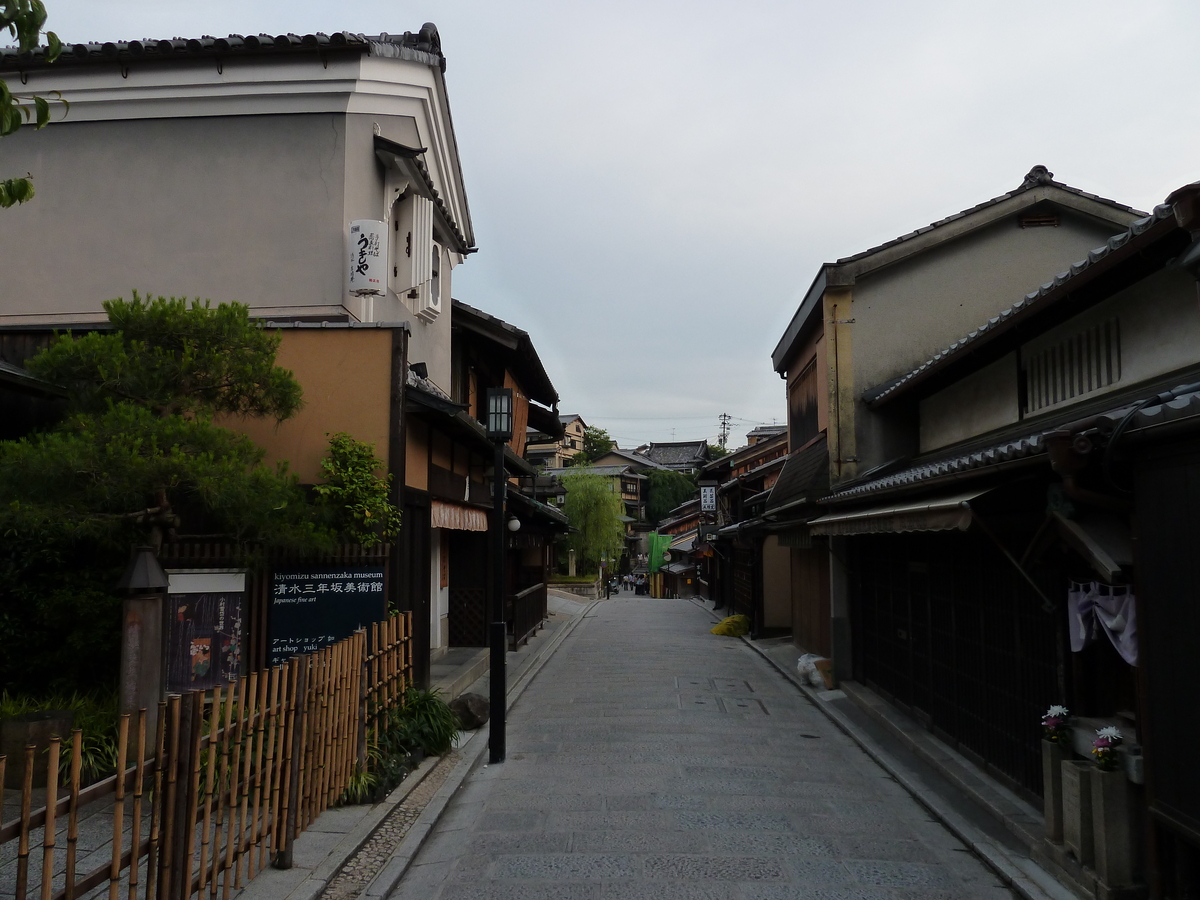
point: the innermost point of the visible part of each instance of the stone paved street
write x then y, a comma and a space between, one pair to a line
651, 759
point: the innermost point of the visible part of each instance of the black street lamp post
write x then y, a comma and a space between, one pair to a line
499, 431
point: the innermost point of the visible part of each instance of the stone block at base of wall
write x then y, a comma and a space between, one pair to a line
589, 591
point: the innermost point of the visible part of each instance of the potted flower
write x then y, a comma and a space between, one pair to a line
1104, 748
1112, 828
1056, 740
1055, 725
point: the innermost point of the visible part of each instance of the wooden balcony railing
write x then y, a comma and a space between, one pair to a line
525, 614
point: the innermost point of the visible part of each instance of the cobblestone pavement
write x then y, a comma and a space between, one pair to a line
358, 871
651, 759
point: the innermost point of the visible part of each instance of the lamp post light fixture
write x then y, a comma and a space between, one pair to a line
499, 427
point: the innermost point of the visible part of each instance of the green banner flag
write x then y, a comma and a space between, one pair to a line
658, 546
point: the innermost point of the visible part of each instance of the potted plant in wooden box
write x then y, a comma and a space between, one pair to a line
1056, 736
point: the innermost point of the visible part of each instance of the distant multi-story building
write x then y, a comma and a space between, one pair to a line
543, 449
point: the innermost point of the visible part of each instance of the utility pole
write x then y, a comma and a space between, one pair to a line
724, 435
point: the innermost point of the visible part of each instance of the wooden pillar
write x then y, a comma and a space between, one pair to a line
142, 657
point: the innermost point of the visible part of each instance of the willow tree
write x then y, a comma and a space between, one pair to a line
594, 509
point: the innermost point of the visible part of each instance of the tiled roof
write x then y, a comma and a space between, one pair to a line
533, 376
1022, 306
1036, 177
766, 430
425, 46
411, 158
635, 458
805, 476
1019, 448
677, 454
1181, 403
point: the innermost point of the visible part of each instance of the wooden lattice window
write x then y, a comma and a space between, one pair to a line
802, 406
1075, 366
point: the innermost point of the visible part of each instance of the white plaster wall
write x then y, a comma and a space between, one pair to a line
439, 620
231, 208
979, 403
1160, 333
367, 198
906, 313
1160, 329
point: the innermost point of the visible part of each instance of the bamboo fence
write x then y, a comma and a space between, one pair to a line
224, 787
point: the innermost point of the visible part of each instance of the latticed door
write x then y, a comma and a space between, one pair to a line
467, 572
948, 629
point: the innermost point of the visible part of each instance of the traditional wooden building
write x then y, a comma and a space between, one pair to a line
1036, 548
869, 318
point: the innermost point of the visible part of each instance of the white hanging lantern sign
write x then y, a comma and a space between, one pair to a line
367, 247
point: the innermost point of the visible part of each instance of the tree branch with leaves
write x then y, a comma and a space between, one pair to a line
25, 21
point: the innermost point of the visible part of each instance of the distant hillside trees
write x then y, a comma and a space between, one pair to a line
665, 490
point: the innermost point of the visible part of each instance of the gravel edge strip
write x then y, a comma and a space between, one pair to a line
360, 869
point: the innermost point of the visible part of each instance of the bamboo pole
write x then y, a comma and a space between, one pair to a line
301, 767
3, 764
271, 790
373, 675
287, 700
210, 770
360, 698
360, 732
139, 776
48, 832
408, 648
114, 871
222, 791
72, 811
392, 668
338, 750
326, 746
259, 736
246, 741
349, 705
167, 837
233, 830
307, 768
193, 798
295, 755
156, 805
23, 843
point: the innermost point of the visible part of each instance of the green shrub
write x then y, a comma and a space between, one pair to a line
425, 722
95, 714
422, 722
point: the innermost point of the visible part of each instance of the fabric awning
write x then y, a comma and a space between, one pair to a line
456, 516
950, 513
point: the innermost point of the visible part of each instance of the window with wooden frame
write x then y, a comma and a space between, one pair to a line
802, 406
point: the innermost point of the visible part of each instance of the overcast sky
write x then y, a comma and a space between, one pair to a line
654, 184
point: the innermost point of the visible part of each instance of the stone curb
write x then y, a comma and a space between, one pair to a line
1028, 880
393, 870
